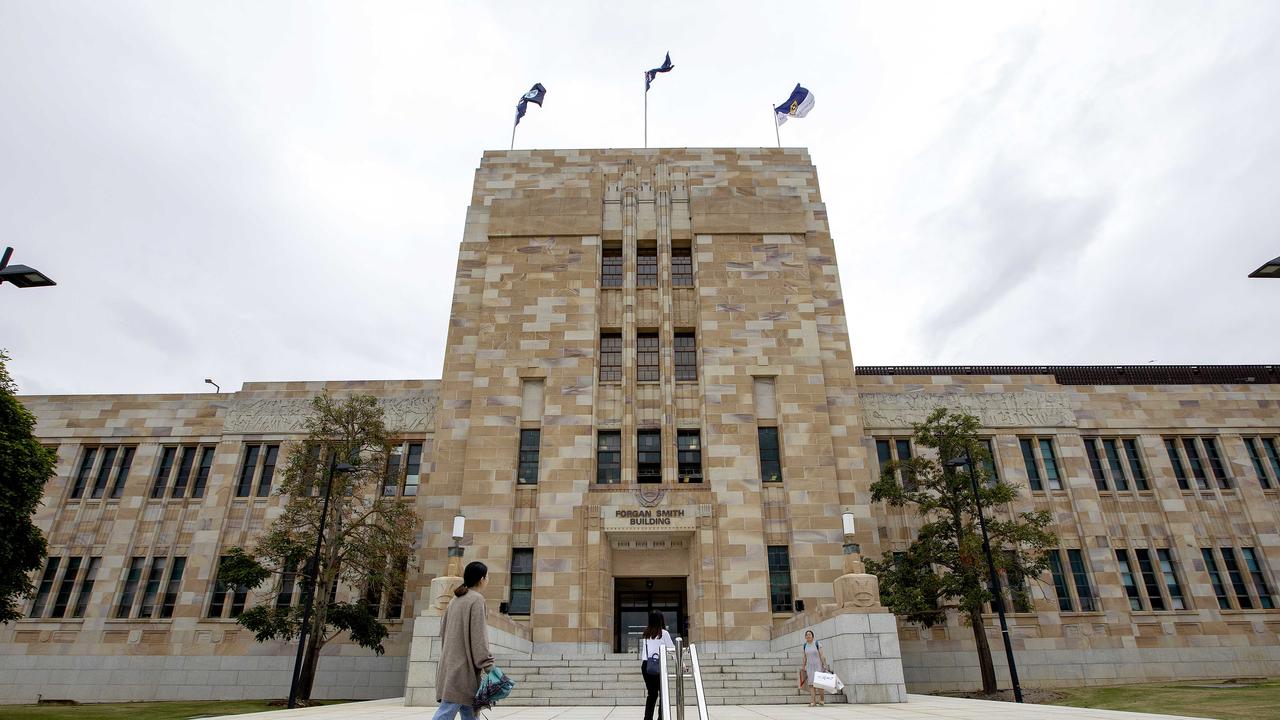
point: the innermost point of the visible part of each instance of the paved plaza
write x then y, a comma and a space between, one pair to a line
918, 707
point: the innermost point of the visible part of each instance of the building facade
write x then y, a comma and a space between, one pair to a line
649, 402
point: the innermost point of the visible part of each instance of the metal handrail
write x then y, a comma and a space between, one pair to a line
697, 683
664, 665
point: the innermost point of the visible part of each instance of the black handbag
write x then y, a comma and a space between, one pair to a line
651, 666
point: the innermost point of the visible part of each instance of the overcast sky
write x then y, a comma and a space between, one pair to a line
270, 191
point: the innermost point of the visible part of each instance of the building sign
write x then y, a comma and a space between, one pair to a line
641, 519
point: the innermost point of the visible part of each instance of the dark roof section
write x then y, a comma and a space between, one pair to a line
1103, 374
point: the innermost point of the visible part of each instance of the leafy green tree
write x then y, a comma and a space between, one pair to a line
367, 540
25, 466
945, 563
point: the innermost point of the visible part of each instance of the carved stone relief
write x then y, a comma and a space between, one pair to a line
1000, 409
415, 413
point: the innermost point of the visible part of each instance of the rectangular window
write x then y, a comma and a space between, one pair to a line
1084, 591
1113, 462
895, 449
1215, 577
104, 472
521, 581
122, 473
171, 588
202, 472
1260, 585
1175, 459
1149, 579
1237, 579
268, 473
86, 469
1215, 463
1272, 446
610, 357
611, 267
689, 456
218, 598
530, 441
1020, 598
647, 357
686, 356
649, 456
288, 583
609, 457
1029, 460
1095, 463
1135, 464
1197, 467
1051, 470
1060, 582
65, 588
151, 591
46, 586
770, 455
647, 267
163, 472
86, 588
395, 596
391, 478
413, 469
1254, 445
247, 469
682, 266
1170, 575
129, 592
185, 464
1126, 577
780, 579
989, 462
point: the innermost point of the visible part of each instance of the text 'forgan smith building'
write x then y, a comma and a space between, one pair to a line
649, 402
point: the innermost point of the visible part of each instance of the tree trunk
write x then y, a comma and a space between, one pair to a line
984, 652
310, 663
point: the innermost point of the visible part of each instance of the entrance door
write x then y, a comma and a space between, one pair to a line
635, 598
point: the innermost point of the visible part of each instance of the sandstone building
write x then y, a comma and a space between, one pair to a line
648, 402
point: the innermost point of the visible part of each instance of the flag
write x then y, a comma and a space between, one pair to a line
798, 105
651, 74
535, 95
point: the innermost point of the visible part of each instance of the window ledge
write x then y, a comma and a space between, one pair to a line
1253, 611
1082, 614
1162, 613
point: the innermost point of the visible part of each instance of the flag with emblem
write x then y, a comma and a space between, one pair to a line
798, 105
535, 95
651, 74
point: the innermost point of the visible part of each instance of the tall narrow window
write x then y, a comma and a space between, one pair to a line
46, 586
686, 356
1084, 591
1113, 462
1019, 597
122, 473
649, 456
1215, 463
1260, 585
1126, 577
902, 452
1135, 464
779, 579
1175, 459
521, 581
1170, 575
1095, 463
413, 469
1051, 470
395, 594
86, 588
240, 595
1060, 582
1254, 446
1237, 579
1149, 579
989, 462
65, 588
86, 468
171, 588
647, 267
610, 357
770, 456
682, 266
247, 469
104, 472
185, 464
530, 441
202, 472
609, 457
611, 267
1215, 577
1029, 460
689, 456
268, 470
129, 591
218, 598
1272, 446
163, 472
1197, 467
151, 591
647, 357
391, 478
288, 583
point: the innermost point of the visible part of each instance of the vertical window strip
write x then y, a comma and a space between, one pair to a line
250, 464
1095, 463
1084, 591
1135, 464
1113, 461
1273, 455
391, 477
86, 588
1126, 577
104, 472
1254, 566
1065, 603
395, 596
521, 598
610, 357
1197, 467
1149, 579
686, 356
1019, 598
1029, 460
45, 588
170, 597
779, 579
1215, 463
682, 266
185, 464
151, 591
647, 267
413, 470
68, 584
530, 444
649, 456
202, 472
611, 267
129, 591
1215, 578
163, 472
1237, 579
1170, 574
219, 596
689, 456
648, 363
902, 451
289, 582
269, 458
770, 454
86, 468
609, 457
1175, 459
989, 462
122, 473
1050, 465
1259, 468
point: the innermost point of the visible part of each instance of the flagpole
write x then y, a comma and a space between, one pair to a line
774, 112
513, 135
646, 113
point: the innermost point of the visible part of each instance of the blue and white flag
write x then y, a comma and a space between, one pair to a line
798, 105
651, 74
535, 95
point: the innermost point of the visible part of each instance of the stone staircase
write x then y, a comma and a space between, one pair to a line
614, 679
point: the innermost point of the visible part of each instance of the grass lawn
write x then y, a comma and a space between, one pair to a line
1244, 701
137, 710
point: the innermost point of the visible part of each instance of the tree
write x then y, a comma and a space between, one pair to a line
367, 540
25, 466
945, 561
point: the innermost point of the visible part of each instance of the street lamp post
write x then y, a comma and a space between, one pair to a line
313, 569
1268, 270
21, 275
997, 596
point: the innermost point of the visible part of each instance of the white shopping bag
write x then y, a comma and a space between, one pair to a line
827, 681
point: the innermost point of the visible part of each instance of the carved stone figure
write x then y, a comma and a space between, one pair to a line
857, 590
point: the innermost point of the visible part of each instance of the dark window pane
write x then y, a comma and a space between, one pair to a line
682, 267
1197, 467
86, 467
521, 601
647, 357
1259, 467
1175, 459
647, 267
1260, 585
770, 457
413, 470
122, 473
902, 449
187, 462
246, 470
1126, 576
202, 473
104, 472
172, 587
1095, 463
1135, 464
1113, 462
63, 598
1029, 460
219, 596
649, 456
610, 357
151, 592
611, 267
1149, 579
163, 472
1215, 577
395, 596
1051, 469
130, 590
391, 478
46, 587
1060, 582
689, 456
239, 595
1215, 463
86, 588
780, 579
530, 442
1170, 576
1237, 579
609, 458
884, 453
289, 582
686, 356
268, 470
1273, 455
989, 462
1084, 591
1020, 598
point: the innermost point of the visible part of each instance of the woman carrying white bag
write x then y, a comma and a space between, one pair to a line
815, 665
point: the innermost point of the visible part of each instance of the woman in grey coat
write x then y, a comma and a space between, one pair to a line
464, 646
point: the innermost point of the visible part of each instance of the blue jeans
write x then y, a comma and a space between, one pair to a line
448, 710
